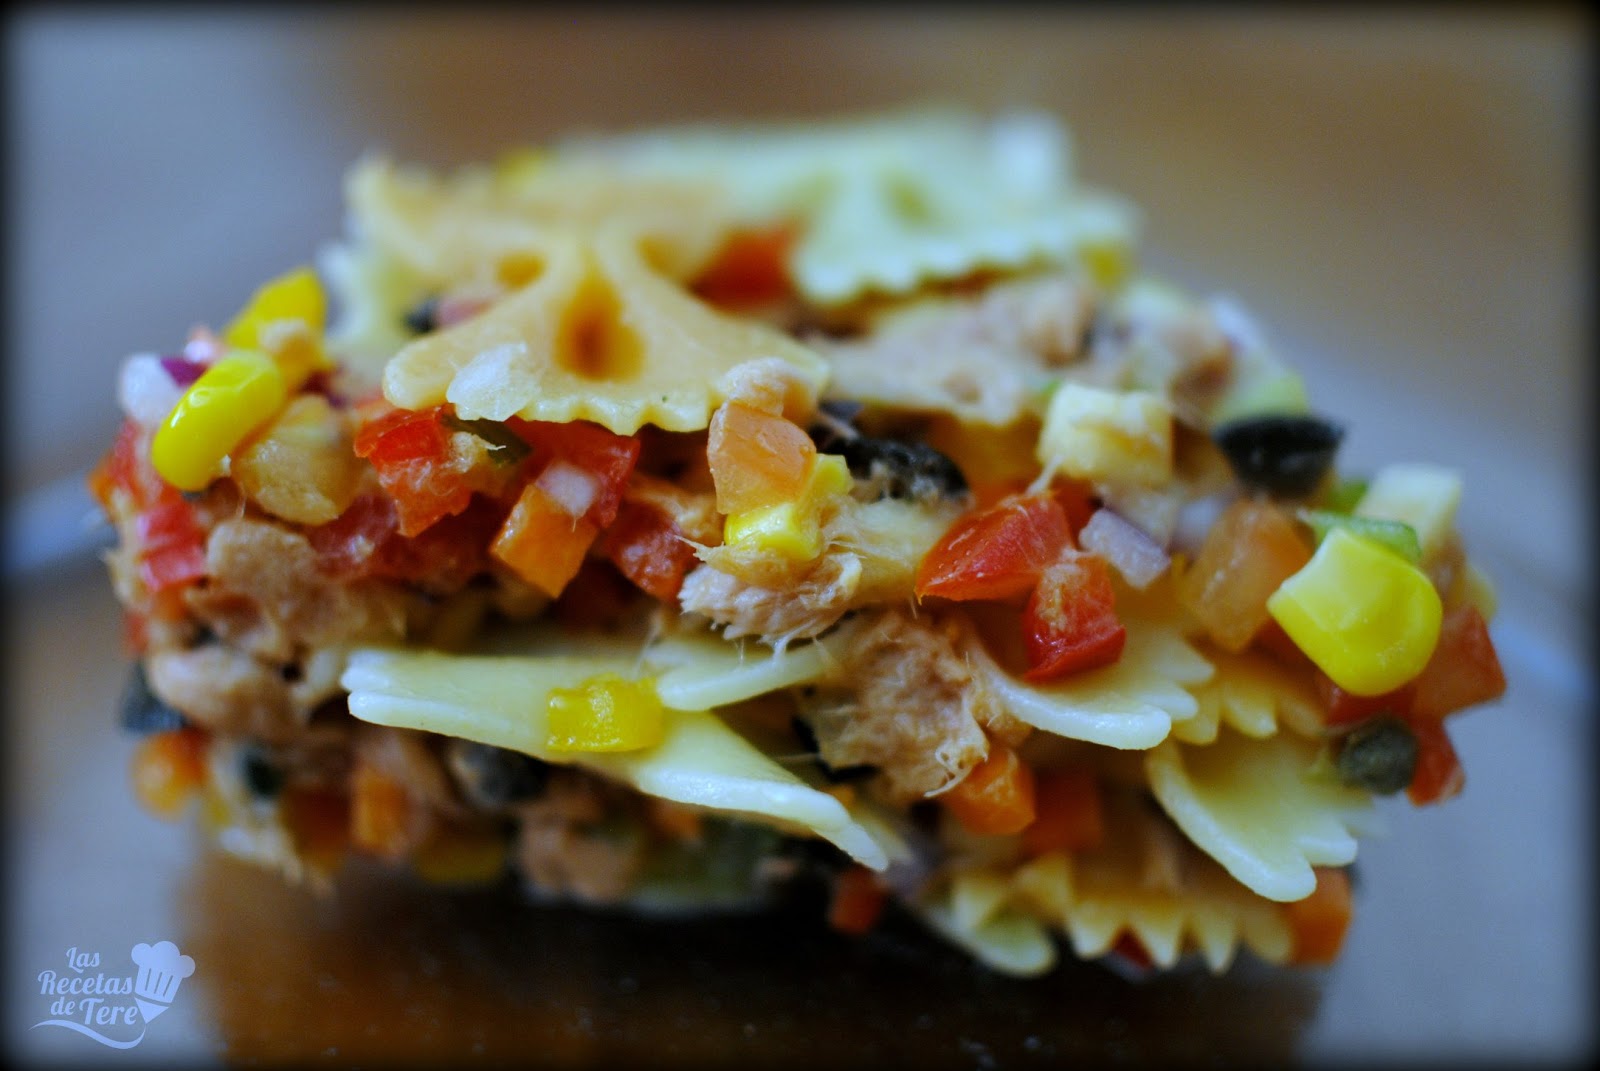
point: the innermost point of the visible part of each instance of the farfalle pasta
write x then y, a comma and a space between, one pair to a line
661, 519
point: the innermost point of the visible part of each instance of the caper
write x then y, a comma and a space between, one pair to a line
1379, 755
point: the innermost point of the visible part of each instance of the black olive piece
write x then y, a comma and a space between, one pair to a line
423, 317
143, 711
262, 776
905, 470
836, 776
1283, 455
1378, 755
492, 776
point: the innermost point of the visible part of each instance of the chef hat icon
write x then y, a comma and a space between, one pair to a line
162, 968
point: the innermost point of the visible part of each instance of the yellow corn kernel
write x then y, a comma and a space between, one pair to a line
517, 167
1108, 262
1117, 436
792, 529
1367, 617
231, 399
286, 317
605, 713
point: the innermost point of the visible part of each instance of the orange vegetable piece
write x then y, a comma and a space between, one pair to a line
751, 268
318, 822
1253, 548
1319, 922
380, 814
998, 552
1464, 669
542, 543
997, 796
757, 459
1069, 816
858, 901
169, 769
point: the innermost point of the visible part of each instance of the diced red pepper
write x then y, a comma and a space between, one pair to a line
996, 796
1069, 815
996, 553
542, 543
127, 467
1464, 669
648, 549
365, 540
1077, 501
1131, 949
606, 456
1343, 710
1070, 623
1318, 923
858, 901
173, 544
1439, 774
411, 453
751, 268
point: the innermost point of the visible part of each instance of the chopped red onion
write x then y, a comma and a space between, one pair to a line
1128, 548
1196, 519
182, 370
145, 391
573, 489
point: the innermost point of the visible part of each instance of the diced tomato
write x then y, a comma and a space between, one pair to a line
596, 598
996, 553
996, 796
649, 550
1070, 623
416, 467
1077, 501
858, 901
173, 544
1343, 710
1069, 816
751, 268
1439, 774
542, 543
1318, 923
1131, 949
365, 540
1274, 641
604, 455
757, 459
1252, 549
1464, 669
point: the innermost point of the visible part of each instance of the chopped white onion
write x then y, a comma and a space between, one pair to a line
1128, 548
145, 391
573, 489
1196, 519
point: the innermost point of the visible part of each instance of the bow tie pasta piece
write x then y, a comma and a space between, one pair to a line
600, 335
502, 701
1258, 808
890, 205
1132, 703
1252, 694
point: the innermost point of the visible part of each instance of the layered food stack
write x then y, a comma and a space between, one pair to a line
665, 519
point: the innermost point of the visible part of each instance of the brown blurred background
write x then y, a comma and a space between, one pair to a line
1402, 197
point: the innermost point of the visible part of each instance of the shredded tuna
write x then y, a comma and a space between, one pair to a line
225, 690
912, 707
778, 615
560, 851
983, 361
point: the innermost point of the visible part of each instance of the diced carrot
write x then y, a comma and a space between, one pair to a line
1318, 923
169, 769
541, 543
1069, 816
858, 901
997, 796
380, 814
757, 459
